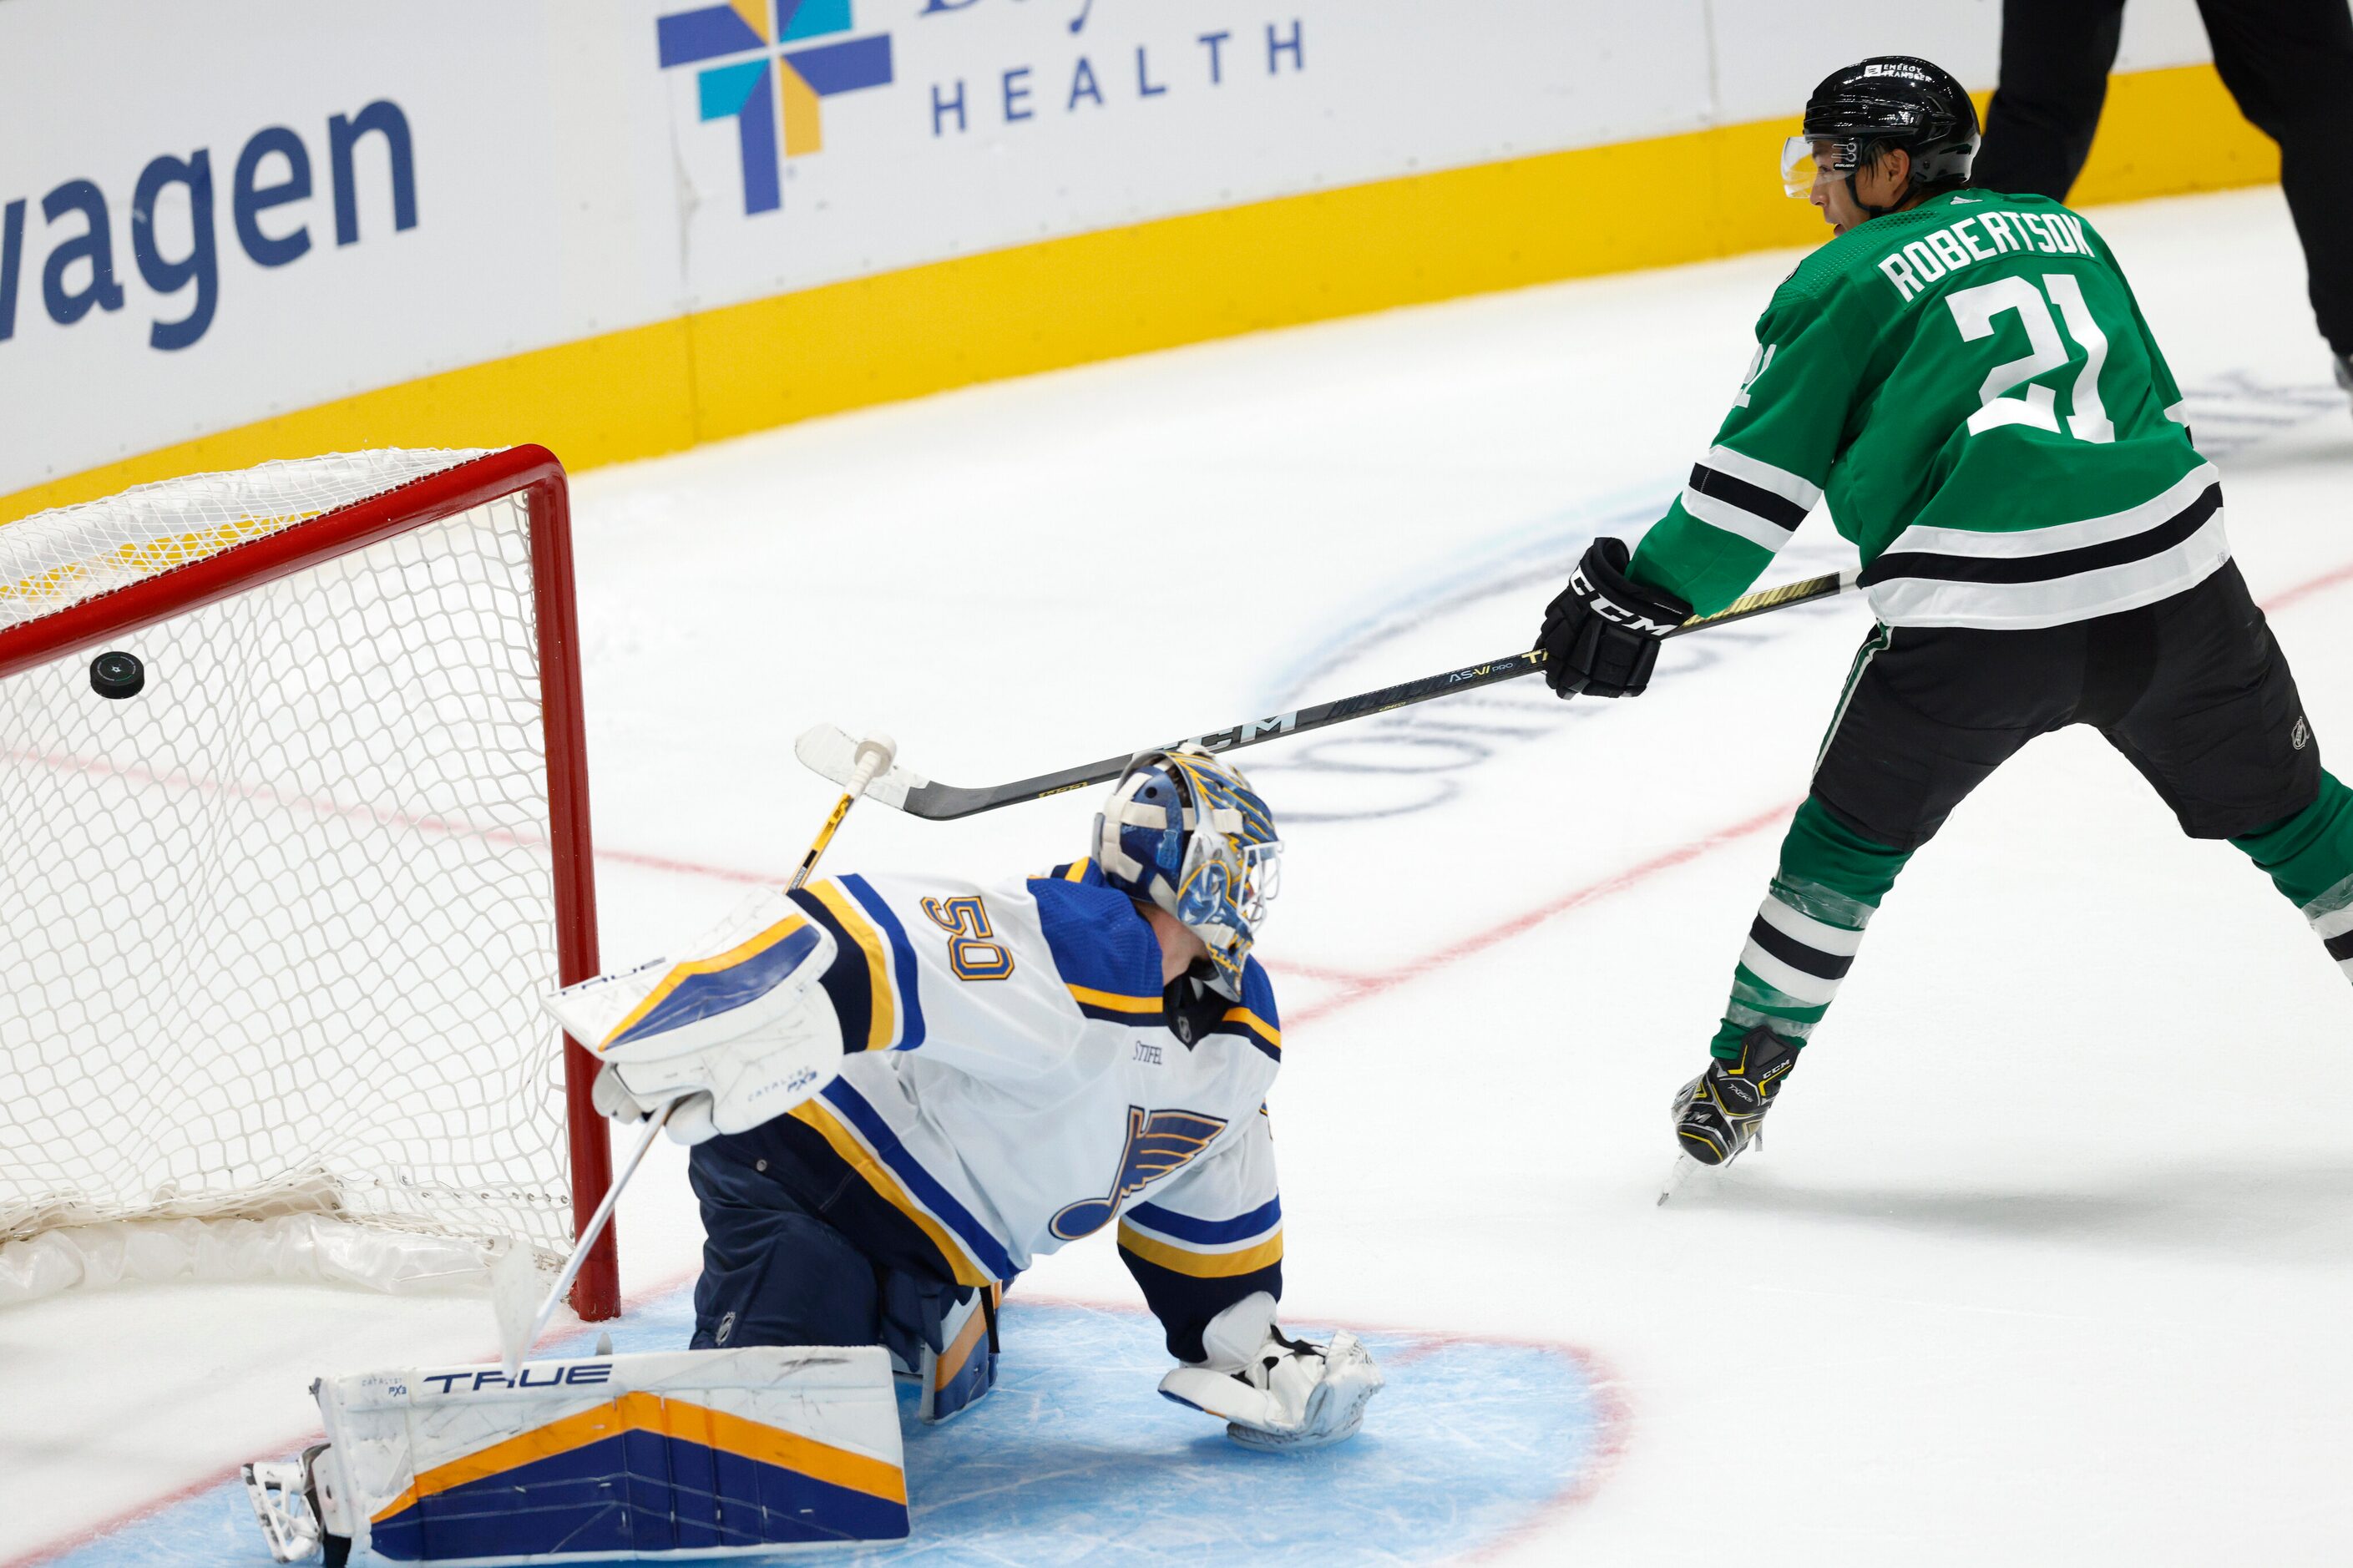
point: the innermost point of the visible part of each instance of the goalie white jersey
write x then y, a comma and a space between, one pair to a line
1016, 1078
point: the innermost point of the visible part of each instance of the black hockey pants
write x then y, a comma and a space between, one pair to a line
2193, 692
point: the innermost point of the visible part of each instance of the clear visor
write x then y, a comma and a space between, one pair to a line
1808, 159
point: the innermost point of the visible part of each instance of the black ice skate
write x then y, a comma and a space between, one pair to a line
1722, 1111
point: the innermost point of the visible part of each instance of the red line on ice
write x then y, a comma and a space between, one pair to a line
1357, 988
75, 1540
1616, 1416
1363, 987
2305, 589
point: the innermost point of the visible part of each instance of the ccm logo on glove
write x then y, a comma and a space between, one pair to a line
1602, 634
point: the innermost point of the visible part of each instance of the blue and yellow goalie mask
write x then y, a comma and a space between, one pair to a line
1187, 832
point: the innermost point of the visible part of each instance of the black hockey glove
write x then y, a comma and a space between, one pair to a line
1601, 636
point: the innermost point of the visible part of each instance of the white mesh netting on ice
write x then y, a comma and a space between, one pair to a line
274, 930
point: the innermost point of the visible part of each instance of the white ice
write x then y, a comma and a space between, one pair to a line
2048, 1255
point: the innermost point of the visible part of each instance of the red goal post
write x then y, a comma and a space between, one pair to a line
327, 556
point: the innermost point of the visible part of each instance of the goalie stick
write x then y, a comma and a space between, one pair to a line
832, 753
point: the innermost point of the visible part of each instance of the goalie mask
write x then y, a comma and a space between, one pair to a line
1185, 832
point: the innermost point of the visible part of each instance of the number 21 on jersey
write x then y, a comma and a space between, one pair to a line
1976, 309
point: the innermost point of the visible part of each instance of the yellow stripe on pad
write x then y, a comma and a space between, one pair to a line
951, 1363
883, 1026
641, 1411
1077, 871
1201, 1265
680, 974
854, 1154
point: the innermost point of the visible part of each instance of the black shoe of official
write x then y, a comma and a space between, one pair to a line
1722, 1111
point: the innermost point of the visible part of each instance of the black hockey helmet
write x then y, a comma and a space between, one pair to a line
1888, 101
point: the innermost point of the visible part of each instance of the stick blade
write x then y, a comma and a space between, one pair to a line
831, 752
515, 1295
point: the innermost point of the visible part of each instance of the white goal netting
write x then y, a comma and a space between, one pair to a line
274, 930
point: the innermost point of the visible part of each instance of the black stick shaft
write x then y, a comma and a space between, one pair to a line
941, 802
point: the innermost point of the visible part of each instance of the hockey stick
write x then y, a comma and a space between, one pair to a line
827, 750
872, 758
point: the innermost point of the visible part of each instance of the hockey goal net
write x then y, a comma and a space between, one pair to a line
275, 927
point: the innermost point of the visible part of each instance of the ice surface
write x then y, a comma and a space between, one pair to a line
1073, 1460
2046, 1259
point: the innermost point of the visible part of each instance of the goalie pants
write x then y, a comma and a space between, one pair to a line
2289, 65
2192, 691
778, 1271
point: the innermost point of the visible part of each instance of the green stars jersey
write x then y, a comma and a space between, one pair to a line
1970, 385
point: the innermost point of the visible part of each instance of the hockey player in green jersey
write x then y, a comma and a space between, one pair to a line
1966, 379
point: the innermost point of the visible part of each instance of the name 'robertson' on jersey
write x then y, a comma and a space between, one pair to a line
2023, 464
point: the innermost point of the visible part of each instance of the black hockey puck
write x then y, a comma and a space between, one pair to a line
115, 674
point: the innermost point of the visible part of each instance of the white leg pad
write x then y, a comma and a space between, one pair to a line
620, 1457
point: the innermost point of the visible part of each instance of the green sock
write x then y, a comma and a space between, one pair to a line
1807, 929
2309, 858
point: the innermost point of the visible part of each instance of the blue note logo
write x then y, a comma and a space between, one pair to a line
762, 86
1158, 1144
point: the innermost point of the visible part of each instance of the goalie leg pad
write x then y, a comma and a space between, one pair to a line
619, 1457
954, 1378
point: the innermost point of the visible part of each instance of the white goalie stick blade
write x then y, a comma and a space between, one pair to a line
829, 751
514, 1292
281, 1501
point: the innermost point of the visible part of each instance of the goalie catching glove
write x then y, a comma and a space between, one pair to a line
1601, 633
1273, 1392
738, 1032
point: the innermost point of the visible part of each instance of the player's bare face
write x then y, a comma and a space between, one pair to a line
1879, 183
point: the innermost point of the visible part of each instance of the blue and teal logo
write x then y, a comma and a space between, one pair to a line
756, 83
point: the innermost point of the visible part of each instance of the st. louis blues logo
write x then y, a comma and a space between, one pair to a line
1158, 1144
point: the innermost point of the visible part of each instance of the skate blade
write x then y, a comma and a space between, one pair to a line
1692, 1178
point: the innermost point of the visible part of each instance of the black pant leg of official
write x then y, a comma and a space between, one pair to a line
2055, 56
2289, 63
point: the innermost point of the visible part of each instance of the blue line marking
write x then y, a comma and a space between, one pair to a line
1074, 1459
